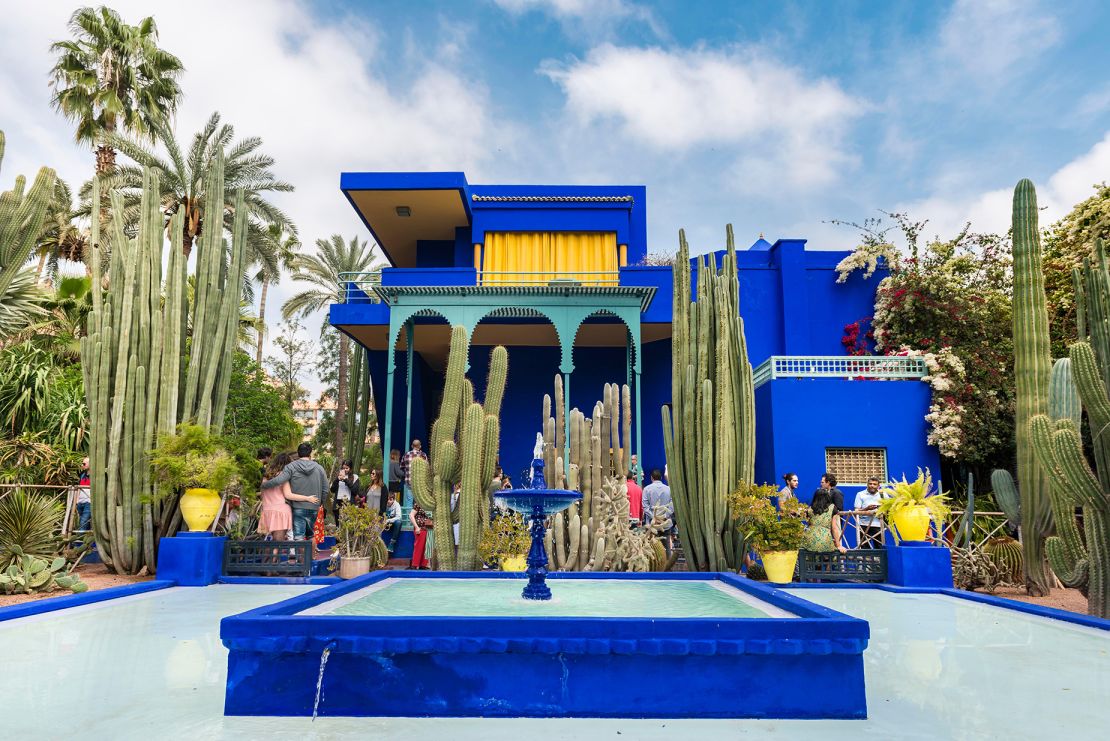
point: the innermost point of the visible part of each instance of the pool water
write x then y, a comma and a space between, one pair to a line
152, 666
571, 598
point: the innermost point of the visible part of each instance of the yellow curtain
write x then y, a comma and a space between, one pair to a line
536, 258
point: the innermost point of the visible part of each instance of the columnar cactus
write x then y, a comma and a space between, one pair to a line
132, 354
1060, 444
594, 534
1032, 368
709, 429
463, 448
21, 217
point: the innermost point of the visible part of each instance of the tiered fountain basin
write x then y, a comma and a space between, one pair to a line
676, 645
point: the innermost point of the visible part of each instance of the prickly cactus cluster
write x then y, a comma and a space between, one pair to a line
133, 354
1054, 476
709, 429
463, 449
594, 534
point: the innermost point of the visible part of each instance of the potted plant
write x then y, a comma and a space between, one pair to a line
505, 543
911, 505
774, 533
359, 548
195, 461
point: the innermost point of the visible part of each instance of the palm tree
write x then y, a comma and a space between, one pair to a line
285, 245
322, 272
182, 181
112, 76
61, 238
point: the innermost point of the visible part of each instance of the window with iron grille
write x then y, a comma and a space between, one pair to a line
853, 466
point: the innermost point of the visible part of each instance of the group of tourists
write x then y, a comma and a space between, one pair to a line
824, 531
296, 503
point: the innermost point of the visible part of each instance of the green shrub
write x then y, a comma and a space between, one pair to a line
29, 525
192, 459
763, 527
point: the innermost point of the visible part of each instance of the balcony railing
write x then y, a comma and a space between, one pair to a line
363, 287
833, 366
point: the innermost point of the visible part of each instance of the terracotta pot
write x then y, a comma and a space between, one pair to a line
514, 563
350, 566
199, 507
912, 523
779, 566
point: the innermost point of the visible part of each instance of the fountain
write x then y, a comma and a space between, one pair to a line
467, 644
538, 503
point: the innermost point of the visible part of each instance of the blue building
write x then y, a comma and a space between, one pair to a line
556, 274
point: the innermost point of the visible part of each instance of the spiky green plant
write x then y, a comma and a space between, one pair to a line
22, 214
133, 355
1032, 369
463, 448
29, 524
709, 429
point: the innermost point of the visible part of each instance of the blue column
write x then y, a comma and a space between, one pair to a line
790, 259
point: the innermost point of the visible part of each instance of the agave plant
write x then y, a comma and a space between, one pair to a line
29, 524
903, 495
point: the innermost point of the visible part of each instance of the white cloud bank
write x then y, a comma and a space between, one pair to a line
990, 211
776, 123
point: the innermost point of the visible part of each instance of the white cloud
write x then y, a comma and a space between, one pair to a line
990, 211
988, 38
314, 91
777, 124
594, 17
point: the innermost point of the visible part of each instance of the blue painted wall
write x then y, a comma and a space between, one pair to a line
796, 419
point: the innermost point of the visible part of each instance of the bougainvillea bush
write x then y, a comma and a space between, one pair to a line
948, 302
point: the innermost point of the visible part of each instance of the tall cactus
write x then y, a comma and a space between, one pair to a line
1065, 550
709, 429
463, 446
21, 217
132, 355
1032, 368
1061, 442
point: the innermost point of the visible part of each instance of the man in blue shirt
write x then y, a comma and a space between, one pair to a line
658, 494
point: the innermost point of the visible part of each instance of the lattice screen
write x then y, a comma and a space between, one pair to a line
853, 466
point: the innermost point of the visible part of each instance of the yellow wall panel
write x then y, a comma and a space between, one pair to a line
535, 258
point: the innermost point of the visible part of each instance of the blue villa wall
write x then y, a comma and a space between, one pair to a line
789, 299
797, 418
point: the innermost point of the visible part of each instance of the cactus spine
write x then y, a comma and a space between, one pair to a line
463, 446
1032, 368
709, 429
132, 356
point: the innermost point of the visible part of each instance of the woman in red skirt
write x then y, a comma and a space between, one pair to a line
421, 527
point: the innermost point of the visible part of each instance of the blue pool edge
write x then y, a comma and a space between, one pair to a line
53, 604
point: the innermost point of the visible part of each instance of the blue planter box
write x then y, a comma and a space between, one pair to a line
810, 666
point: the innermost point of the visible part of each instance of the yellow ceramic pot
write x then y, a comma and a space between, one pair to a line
199, 507
912, 523
779, 566
514, 563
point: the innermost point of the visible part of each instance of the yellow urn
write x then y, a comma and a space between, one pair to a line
912, 523
199, 507
514, 563
779, 566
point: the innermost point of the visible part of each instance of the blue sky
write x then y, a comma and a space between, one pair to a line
776, 117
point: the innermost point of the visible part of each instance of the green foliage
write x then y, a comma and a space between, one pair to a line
1067, 243
955, 294
756, 572
289, 366
257, 414
359, 533
25, 373
29, 524
901, 495
28, 574
192, 458
22, 214
112, 76
507, 536
1006, 554
30, 458
762, 526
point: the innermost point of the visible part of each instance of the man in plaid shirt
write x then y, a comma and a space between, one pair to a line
406, 469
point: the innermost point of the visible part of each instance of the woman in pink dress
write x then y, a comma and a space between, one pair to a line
277, 518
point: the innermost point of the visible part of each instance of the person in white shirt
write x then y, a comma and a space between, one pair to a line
870, 529
392, 521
